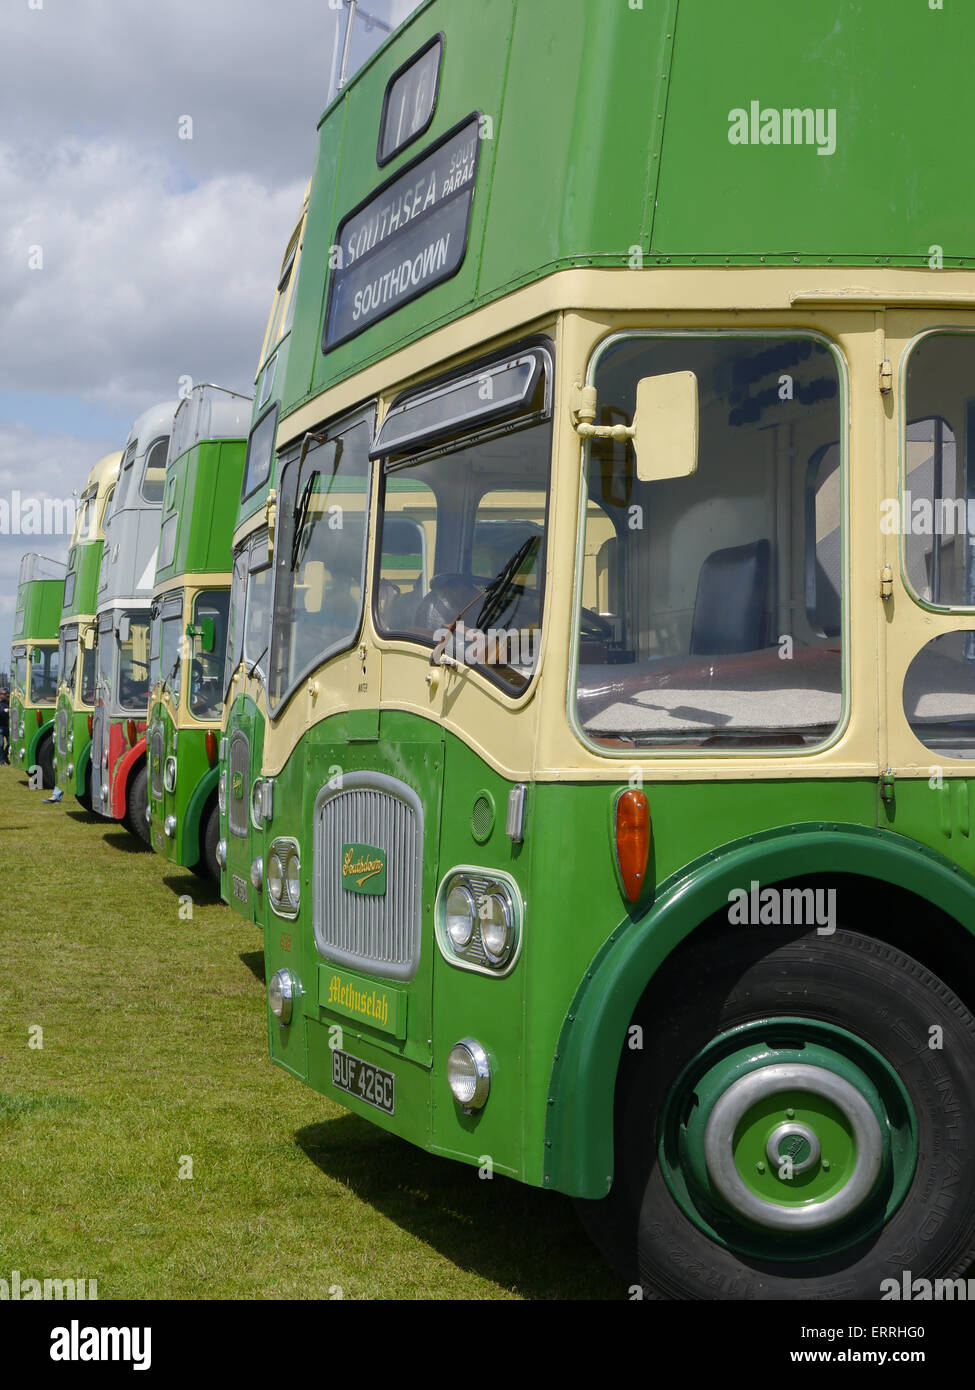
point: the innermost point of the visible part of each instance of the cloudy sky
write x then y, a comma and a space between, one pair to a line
159, 254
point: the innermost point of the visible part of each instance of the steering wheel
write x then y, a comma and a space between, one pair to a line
595, 627
446, 596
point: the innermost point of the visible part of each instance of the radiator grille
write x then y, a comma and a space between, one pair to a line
62, 731
238, 785
156, 763
376, 933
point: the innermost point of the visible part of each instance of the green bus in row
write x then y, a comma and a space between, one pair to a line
77, 656
608, 755
34, 664
189, 624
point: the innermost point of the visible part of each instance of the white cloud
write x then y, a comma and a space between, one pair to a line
141, 282
36, 466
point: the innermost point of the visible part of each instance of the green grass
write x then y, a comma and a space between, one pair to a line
154, 1047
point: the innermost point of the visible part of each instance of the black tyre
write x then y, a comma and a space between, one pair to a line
84, 799
800, 1123
206, 866
138, 804
45, 761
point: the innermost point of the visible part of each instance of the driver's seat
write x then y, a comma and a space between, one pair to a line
447, 595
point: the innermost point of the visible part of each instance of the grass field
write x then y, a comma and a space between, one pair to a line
154, 1049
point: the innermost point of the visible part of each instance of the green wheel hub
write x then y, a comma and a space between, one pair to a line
788, 1139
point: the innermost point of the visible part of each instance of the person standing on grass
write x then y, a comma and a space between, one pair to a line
4, 726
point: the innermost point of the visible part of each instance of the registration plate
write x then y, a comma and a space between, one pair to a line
364, 1081
240, 889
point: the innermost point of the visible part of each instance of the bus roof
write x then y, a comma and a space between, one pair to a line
35, 568
565, 134
208, 412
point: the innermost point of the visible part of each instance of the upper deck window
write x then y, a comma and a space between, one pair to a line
363, 25
462, 537
260, 450
698, 626
70, 578
154, 470
85, 520
410, 100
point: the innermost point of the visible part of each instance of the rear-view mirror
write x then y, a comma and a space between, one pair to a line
313, 584
665, 427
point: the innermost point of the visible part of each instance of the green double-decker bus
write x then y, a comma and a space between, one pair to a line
189, 624
617, 778
245, 706
126, 576
77, 659
34, 664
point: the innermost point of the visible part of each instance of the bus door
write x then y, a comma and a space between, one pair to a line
927, 524
371, 783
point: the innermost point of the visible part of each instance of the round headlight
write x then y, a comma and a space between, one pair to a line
281, 995
496, 932
257, 873
71, 743
275, 878
221, 853
257, 815
169, 826
222, 793
293, 878
459, 914
169, 775
104, 791
469, 1074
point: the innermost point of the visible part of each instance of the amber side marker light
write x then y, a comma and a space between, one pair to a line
632, 841
210, 744
39, 719
91, 725
130, 730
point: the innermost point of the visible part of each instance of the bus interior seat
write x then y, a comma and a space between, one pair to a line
731, 607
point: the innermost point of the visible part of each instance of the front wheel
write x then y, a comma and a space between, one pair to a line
137, 804
800, 1123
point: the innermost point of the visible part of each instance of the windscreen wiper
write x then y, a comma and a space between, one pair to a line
300, 517
496, 594
302, 505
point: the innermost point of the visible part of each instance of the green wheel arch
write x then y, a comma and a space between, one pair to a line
35, 743
202, 792
579, 1128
